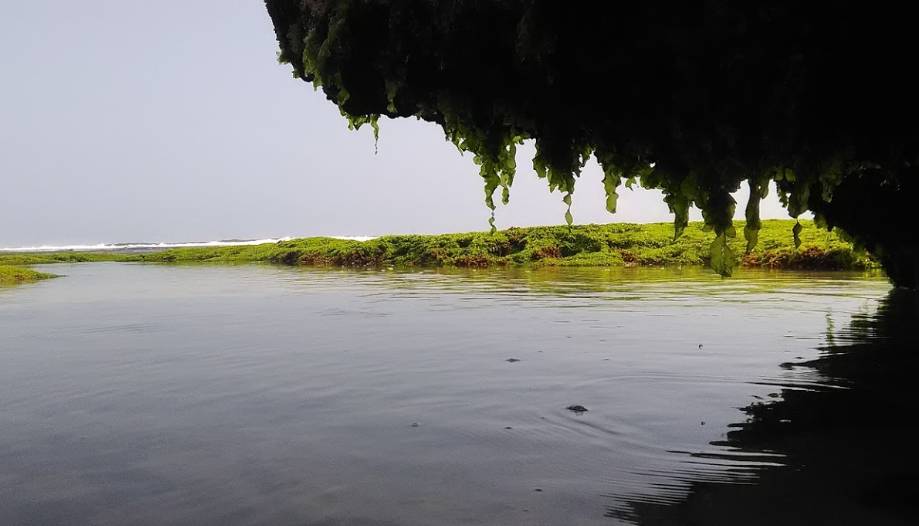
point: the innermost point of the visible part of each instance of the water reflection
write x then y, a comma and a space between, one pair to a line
846, 448
152, 394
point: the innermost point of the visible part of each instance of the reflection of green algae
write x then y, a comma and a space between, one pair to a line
839, 451
613, 283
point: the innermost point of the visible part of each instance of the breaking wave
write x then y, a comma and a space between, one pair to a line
160, 246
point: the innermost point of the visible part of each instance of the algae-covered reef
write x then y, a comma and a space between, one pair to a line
692, 99
585, 245
14, 275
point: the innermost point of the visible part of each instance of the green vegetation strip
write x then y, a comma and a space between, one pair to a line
12, 275
587, 245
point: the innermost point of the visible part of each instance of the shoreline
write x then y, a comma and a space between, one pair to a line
607, 245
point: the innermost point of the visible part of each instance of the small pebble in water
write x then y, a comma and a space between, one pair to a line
577, 409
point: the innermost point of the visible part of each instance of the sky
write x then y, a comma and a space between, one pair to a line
138, 121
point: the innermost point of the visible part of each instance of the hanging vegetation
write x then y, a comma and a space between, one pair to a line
690, 99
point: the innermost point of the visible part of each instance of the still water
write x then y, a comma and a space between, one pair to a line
145, 394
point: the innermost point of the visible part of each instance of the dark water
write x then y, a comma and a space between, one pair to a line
133, 394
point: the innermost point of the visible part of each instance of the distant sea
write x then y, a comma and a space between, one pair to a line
143, 246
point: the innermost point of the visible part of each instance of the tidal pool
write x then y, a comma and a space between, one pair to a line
150, 394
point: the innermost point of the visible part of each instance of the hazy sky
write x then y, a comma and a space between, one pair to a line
129, 120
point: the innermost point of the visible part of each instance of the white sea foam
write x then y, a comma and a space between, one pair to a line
158, 246
354, 238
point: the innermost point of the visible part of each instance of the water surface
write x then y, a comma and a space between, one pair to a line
145, 394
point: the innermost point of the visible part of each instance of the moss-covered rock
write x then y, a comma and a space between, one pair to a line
587, 245
13, 275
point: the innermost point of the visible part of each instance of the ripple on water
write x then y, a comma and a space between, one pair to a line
240, 394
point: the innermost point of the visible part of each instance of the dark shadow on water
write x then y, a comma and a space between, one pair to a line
849, 450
